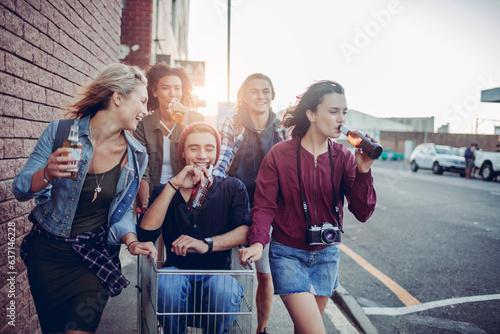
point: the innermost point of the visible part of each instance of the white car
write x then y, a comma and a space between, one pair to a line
439, 158
488, 164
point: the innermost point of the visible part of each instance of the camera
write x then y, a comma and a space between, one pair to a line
326, 234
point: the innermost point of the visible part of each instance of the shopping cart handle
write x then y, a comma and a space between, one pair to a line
152, 261
249, 262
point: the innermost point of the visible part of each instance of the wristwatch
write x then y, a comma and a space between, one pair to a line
210, 244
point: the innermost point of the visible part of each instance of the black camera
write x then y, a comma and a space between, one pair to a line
326, 234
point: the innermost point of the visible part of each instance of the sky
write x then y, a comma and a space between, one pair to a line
395, 58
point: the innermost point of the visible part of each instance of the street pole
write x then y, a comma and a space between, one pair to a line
228, 48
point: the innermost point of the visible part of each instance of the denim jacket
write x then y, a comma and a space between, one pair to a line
56, 205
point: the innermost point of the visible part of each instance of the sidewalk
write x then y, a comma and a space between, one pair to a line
120, 315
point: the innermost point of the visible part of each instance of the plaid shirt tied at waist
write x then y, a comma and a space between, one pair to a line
102, 259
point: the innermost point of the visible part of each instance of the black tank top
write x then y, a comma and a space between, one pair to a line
90, 215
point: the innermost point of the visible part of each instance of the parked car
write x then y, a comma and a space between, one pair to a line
488, 164
389, 154
439, 158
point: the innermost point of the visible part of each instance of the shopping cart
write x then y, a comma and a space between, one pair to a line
152, 314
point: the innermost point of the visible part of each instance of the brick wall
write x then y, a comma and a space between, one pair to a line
137, 31
48, 48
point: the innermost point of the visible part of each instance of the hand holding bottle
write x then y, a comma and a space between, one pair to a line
76, 151
357, 139
177, 110
367, 149
199, 193
363, 161
59, 164
189, 177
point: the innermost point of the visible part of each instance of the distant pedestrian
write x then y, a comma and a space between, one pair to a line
469, 160
300, 184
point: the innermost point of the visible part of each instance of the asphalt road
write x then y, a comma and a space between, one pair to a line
432, 238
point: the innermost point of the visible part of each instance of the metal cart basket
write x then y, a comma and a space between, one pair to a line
152, 314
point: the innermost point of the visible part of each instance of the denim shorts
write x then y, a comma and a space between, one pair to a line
295, 270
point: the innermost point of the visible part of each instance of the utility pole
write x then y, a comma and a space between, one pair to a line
228, 49
482, 120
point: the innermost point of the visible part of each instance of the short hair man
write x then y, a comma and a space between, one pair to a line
247, 136
470, 160
198, 240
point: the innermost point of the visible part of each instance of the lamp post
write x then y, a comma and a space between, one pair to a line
228, 49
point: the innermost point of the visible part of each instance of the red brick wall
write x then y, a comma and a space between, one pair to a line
48, 48
137, 30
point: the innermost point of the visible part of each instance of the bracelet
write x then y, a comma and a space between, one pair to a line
44, 178
131, 243
173, 186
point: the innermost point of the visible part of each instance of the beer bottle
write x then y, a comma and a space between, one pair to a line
76, 146
199, 192
176, 115
357, 139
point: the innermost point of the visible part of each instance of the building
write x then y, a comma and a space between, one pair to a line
157, 30
154, 30
422, 124
404, 134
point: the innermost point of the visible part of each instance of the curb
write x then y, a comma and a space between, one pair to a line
343, 299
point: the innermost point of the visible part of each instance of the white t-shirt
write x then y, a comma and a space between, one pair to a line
166, 168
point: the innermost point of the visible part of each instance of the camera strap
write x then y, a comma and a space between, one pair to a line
307, 215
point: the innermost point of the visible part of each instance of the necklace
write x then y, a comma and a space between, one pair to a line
98, 188
168, 130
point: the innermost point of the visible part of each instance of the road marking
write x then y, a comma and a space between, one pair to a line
401, 293
444, 325
426, 306
338, 319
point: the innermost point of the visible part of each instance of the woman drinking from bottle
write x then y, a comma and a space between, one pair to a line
300, 191
170, 97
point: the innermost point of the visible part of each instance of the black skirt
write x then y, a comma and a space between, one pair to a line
67, 295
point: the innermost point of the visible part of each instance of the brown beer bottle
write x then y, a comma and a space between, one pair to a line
199, 193
76, 145
176, 115
357, 139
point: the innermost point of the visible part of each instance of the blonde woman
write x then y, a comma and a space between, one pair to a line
78, 224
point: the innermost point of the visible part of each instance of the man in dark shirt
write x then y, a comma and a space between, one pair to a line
198, 239
247, 136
